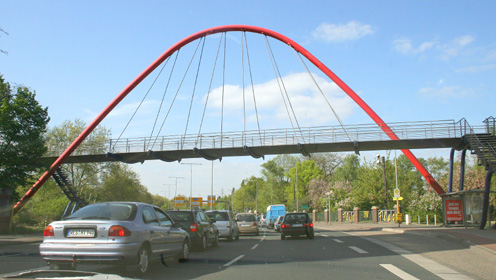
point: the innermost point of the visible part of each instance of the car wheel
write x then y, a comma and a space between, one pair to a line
143, 260
184, 253
283, 236
62, 266
203, 244
216, 241
310, 235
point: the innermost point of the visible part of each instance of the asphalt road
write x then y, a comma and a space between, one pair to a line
331, 255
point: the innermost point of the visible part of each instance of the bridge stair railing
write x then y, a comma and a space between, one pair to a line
75, 201
482, 144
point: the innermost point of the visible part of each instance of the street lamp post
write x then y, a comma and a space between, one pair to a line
382, 162
168, 197
175, 193
191, 181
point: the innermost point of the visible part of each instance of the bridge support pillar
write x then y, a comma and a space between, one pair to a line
5, 209
485, 201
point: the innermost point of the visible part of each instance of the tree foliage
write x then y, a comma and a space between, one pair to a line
23, 123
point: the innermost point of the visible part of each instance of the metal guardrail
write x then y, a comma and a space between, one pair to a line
274, 137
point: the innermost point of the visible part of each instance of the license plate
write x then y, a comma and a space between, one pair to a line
245, 225
298, 225
86, 232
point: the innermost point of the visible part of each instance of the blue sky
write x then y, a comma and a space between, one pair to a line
410, 61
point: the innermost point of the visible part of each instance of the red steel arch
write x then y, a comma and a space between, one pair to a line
194, 37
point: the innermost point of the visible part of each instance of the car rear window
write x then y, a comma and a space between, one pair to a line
105, 211
180, 216
246, 218
296, 218
218, 216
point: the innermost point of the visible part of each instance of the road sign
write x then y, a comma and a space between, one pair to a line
397, 193
196, 201
211, 200
179, 201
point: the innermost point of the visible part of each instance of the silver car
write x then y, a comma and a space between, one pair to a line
247, 223
128, 233
224, 221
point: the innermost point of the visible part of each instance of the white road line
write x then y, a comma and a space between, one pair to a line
358, 250
235, 260
437, 269
337, 241
256, 245
398, 272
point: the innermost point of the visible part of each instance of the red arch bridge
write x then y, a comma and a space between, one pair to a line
260, 142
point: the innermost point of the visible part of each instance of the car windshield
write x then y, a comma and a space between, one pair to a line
246, 218
181, 216
218, 216
105, 211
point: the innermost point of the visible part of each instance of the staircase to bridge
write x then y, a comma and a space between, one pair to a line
483, 145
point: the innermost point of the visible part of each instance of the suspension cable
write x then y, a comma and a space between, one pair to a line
141, 103
350, 136
252, 88
210, 86
283, 91
172, 103
194, 87
243, 82
223, 87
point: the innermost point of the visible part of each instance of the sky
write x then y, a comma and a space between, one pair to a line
408, 60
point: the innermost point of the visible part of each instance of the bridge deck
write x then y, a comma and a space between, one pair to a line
216, 153
368, 137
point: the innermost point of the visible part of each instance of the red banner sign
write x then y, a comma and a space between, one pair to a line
454, 210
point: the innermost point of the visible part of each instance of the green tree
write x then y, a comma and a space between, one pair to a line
83, 176
23, 122
120, 183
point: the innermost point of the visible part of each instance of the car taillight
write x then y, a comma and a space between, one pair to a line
193, 227
285, 225
119, 231
309, 225
255, 224
48, 231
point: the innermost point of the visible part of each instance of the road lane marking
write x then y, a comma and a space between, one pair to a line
398, 272
435, 268
338, 241
235, 260
358, 250
256, 245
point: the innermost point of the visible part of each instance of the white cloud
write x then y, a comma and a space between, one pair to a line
447, 50
351, 31
476, 69
445, 92
405, 46
453, 48
309, 105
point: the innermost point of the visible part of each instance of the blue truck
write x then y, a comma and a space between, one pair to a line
274, 211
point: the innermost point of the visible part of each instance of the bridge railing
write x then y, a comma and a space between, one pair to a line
276, 137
